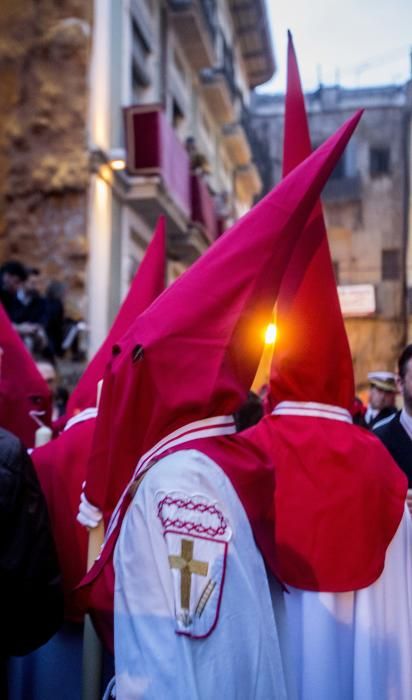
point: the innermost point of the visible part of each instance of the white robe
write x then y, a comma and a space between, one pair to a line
355, 645
233, 651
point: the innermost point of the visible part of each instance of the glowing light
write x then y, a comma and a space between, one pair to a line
270, 334
118, 164
105, 176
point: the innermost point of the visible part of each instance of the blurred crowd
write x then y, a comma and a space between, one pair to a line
35, 307
38, 317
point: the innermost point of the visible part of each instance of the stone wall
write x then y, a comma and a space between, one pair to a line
44, 162
375, 344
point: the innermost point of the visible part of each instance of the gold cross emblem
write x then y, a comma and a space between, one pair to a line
187, 566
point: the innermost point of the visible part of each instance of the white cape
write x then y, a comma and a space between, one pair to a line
193, 612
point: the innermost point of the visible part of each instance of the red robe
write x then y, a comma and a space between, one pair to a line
61, 468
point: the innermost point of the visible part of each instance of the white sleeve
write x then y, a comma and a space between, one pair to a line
188, 619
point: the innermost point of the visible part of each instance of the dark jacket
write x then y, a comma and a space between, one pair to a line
384, 413
397, 442
31, 600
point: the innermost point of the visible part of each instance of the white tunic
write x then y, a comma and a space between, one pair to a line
355, 645
194, 617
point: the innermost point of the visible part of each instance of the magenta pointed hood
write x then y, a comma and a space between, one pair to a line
148, 283
193, 354
312, 360
23, 391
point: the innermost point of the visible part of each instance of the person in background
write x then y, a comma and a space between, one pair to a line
382, 395
395, 430
48, 373
31, 598
59, 393
13, 276
24, 304
30, 296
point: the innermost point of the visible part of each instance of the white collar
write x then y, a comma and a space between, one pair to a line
207, 427
406, 422
80, 417
312, 409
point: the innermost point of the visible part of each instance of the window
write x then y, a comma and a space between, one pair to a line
379, 162
391, 264
140, 56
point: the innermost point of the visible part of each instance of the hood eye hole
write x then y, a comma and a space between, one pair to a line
137, 353
36, 400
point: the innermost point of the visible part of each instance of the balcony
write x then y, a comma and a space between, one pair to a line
158, 168
248, 182
217, 95
237, 144
343, 189
219, 84
195, 24
203, 209
254, 39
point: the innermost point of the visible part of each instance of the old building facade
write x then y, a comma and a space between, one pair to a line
117, 111
366, 204
44, 159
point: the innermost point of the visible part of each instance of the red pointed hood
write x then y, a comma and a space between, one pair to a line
312, 360
148, 283
193, 354
23, 391
339, 496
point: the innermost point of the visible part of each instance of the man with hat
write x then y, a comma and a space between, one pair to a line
382, 392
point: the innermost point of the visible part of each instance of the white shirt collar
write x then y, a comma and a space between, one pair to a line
406, 422
207, 427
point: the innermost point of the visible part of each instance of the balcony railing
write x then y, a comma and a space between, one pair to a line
208, 8
196, 24
153, 148
203, 208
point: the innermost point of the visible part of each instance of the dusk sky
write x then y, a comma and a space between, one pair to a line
354, 42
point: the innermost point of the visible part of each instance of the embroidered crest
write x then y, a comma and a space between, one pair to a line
197, 536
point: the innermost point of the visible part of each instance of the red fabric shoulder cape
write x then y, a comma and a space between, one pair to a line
61, 468
338, 501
